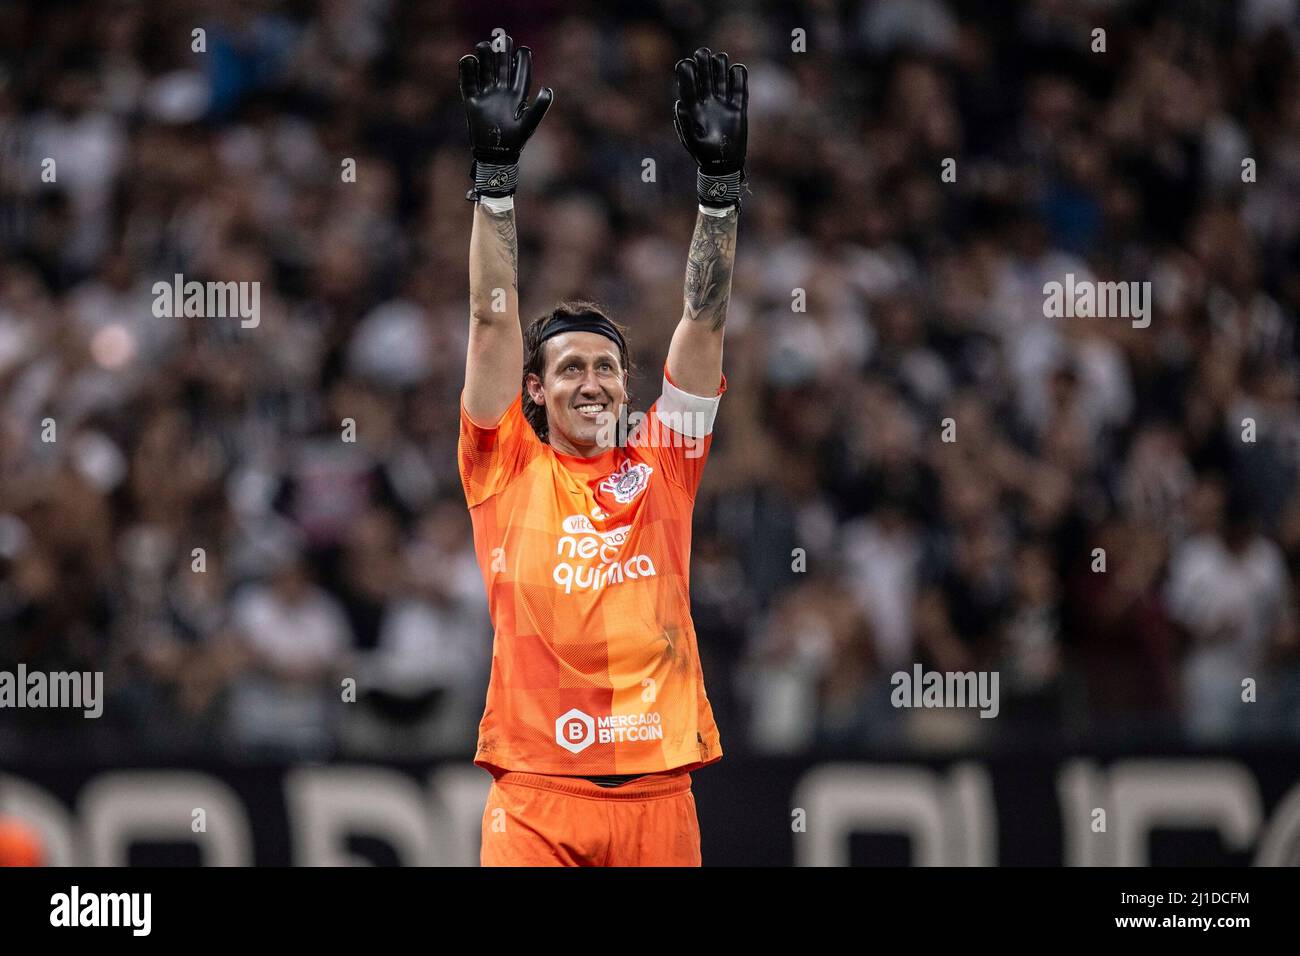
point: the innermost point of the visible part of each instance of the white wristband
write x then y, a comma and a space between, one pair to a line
497, 204
711, 211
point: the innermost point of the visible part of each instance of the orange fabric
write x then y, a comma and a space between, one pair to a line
535, 820
586, 562
19, 844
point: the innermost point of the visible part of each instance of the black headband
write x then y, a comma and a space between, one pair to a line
583, 322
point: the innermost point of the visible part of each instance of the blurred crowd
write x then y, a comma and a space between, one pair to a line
259, 534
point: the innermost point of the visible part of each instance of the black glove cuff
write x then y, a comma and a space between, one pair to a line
494, 180
719, 191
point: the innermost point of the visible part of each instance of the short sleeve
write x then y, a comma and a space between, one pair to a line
491, 458
678, 432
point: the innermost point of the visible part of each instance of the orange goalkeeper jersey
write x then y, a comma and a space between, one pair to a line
586, 561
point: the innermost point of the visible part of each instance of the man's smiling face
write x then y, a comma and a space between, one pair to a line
583, 384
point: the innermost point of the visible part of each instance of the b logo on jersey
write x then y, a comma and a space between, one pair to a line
575, 731
628, 482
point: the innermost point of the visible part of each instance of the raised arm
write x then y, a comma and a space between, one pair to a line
711, 121
695, 355
494, 362
494, 86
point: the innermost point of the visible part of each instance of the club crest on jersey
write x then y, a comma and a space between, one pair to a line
628, 482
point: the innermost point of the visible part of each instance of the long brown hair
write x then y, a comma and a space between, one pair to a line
535, 361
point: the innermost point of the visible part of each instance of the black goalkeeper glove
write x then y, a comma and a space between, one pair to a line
710, 119
494, 86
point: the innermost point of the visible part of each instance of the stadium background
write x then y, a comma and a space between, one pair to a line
327, 559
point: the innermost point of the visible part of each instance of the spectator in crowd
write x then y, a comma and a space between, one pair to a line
297, 640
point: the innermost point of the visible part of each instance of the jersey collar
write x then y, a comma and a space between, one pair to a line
600, 465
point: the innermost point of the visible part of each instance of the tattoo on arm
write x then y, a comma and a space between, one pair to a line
708, 268
505, 227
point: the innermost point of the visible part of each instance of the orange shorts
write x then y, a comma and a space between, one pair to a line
534, 819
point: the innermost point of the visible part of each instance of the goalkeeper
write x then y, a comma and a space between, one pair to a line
596, 711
